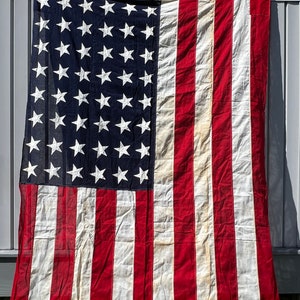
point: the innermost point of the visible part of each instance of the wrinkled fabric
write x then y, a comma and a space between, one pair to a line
143, 161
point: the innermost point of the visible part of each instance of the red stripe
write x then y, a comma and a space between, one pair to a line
143, 252
260, 18
103, 259
225, 250
21, 283
184, 210
64, 254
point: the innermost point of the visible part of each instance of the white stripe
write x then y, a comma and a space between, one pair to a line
247, 273
44, 243
85, 231
123, 274
163, 265
204, 219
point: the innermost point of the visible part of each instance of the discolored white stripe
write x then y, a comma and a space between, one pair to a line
44, 243
204, 218
84, 247
163, 264
123, 272
247, 273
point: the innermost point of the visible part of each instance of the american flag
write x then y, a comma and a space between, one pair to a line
143, 162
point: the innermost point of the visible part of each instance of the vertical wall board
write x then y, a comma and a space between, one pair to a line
21, 38
5, 134
283, 134
6, 276
291, 195
287, 273
276, 122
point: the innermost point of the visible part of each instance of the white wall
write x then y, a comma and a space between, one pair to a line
14, 40
283, 134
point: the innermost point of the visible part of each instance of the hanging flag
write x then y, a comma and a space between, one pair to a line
143, 162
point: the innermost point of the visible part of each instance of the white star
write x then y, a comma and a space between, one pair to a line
63, 49
81, 97
60, 97
87, 6
44, 2
102, 124
41, 46
125, 77
79, 123
148, 31
121, 175
65, 4
84, 51
33, 145
122, 150
55, 146
42, 24
147, 55
38, 94
106, 30
108, 7
129, 8
127, 54
75, 173
146, 102
125, 101
62, 72
144, 125
123, 125
83, 75
104, 76
64, 25
77, 148
142, 175
98, 174
106, 53
30, 170
58, 120
100, 150
40, 70
103, 101
35, 119
147, 78
150, 11
85, 28
127, 30
52, 171
143, 150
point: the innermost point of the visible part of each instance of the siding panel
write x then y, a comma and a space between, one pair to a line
291, 195
276, 121
21, 56
283, 130
6, 276
5, 128
283, 124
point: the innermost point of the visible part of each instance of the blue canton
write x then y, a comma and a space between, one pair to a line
90, 115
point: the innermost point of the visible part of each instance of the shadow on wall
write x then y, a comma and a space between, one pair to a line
282, 208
